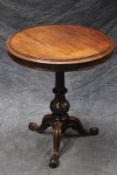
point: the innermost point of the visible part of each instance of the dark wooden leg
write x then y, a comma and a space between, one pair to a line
46, 122
76, 124
54, 160
59, 120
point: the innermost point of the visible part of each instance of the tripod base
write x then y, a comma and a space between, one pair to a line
59, 120
59, 127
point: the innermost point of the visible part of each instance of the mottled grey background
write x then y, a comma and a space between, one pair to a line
25, 94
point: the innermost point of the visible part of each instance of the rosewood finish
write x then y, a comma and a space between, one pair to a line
65, 47
60, 48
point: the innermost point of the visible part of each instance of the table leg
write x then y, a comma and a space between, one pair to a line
75, 123
54, 160
46, 122
59, 120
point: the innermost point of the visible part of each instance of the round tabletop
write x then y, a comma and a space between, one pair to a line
59, 47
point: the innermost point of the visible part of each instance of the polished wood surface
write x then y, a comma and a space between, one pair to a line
59, 44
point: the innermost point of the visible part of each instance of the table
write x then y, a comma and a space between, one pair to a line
60, 48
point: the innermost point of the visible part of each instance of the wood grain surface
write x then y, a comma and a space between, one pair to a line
59, 44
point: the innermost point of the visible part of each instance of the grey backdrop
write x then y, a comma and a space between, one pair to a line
25, 94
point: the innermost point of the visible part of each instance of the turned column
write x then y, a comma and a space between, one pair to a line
59, 105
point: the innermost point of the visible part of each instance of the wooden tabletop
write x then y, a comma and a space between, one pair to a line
59, 45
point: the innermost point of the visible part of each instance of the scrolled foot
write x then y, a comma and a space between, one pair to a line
34, 127
54, 161
93, 131
90, 132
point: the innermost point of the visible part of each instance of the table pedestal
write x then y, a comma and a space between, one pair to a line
59, 120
